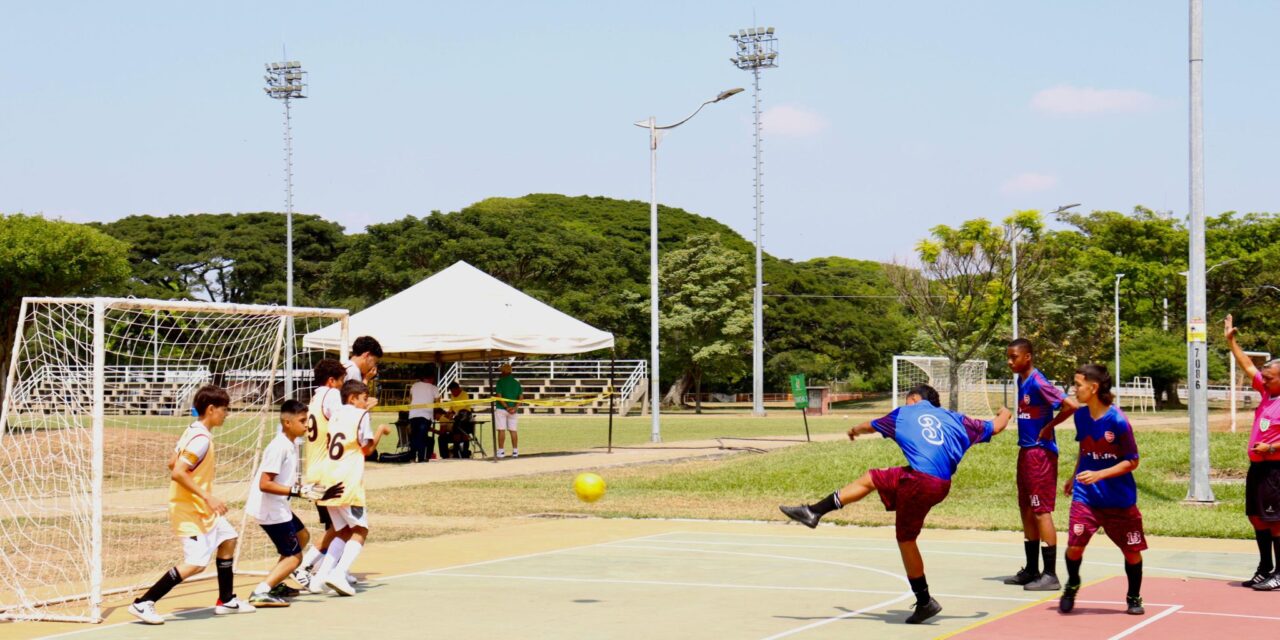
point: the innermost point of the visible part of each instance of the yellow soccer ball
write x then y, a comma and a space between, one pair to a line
589, 487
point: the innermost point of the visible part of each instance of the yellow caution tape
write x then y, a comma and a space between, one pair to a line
471, 402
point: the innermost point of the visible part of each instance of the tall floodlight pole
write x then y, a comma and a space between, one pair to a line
1198, 489
655, 133
757, 49
1118, 383
285, 82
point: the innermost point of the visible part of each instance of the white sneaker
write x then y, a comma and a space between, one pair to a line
340, 584
501, 453
146, 612
236, 605
301, 577
351, 578
316, 587
515, 453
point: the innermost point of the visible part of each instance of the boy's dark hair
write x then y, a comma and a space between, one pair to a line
1024, 344
292, 407
926, 393
329, 369
454, 385
210, 396
1098, 373
353, 388
366, 344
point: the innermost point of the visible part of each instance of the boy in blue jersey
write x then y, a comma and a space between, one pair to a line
933, 440
1103, 491
1037, 466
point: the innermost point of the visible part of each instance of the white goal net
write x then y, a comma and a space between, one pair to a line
97, 394
971, 387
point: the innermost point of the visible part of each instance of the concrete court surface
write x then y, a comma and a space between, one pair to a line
617, 578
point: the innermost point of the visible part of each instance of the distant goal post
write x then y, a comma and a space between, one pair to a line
972, 391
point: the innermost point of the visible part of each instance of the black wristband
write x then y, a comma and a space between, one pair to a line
295, 492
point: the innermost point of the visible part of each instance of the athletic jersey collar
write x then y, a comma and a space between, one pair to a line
200, 426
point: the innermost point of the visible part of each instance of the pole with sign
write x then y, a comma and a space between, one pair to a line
801, 395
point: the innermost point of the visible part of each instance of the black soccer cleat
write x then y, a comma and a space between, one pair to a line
924, 611
802, 514
1270, 584
1022, 577
1259, 577
1068, 600
283, 590
1133, 605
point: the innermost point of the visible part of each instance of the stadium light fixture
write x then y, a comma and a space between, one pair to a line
655, 399
286, 81
757, 49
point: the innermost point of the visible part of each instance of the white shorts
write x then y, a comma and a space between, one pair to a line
504, 421
348, 516
199, 550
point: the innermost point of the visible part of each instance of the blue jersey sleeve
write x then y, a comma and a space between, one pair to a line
1051, 394
978, 430
887, 425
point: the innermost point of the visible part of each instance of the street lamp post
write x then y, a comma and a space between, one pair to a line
655, 432
757, 49
287, 81
1198, 489
1117, 305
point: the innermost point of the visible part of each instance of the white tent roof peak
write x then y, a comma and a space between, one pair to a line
463, 313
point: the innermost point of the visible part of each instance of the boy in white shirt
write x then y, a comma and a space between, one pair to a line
326, 401
268, 503
363, 365
423, 392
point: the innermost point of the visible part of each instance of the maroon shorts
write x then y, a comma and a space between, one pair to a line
911, 494
1037, 479
1123, 525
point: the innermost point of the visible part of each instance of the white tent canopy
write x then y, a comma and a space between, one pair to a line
463, 313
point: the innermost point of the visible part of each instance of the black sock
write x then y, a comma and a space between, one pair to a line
1275, 541
920, 587
163, 586
1134, 571
1073, 570
1264, 539
1030, 547
1050, 553
827, 504
226, 576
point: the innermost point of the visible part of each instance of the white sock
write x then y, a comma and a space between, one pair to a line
262, 588
331, 558
309, 558
349, 556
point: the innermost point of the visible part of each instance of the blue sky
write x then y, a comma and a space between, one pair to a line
883, 118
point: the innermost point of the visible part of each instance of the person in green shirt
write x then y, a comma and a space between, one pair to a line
504, 417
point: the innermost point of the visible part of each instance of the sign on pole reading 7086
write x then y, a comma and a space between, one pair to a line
799, 392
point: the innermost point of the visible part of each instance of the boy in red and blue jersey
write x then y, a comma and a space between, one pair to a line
1037, 466
933, 440
1103, 491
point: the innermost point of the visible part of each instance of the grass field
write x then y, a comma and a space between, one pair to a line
750, 486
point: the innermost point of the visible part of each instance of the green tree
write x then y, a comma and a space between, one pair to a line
226, 257
1159, 355
961, 294
706, 295
40, 257
1069, 320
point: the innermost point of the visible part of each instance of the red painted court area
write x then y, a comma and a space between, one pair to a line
1176, 609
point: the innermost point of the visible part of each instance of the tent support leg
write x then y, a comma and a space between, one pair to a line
493, 414
613, 357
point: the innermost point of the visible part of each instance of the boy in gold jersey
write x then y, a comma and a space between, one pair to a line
326, 400
195, 515
350, 438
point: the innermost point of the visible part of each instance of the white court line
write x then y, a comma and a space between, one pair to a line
714, 585
1151, 620
929, 550
1227, 615
394, 577
814, 625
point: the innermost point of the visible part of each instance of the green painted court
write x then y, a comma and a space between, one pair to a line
591, 578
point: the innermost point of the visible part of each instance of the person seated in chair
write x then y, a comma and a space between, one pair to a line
463, 420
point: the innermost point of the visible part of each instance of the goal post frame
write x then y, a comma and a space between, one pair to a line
96, 310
